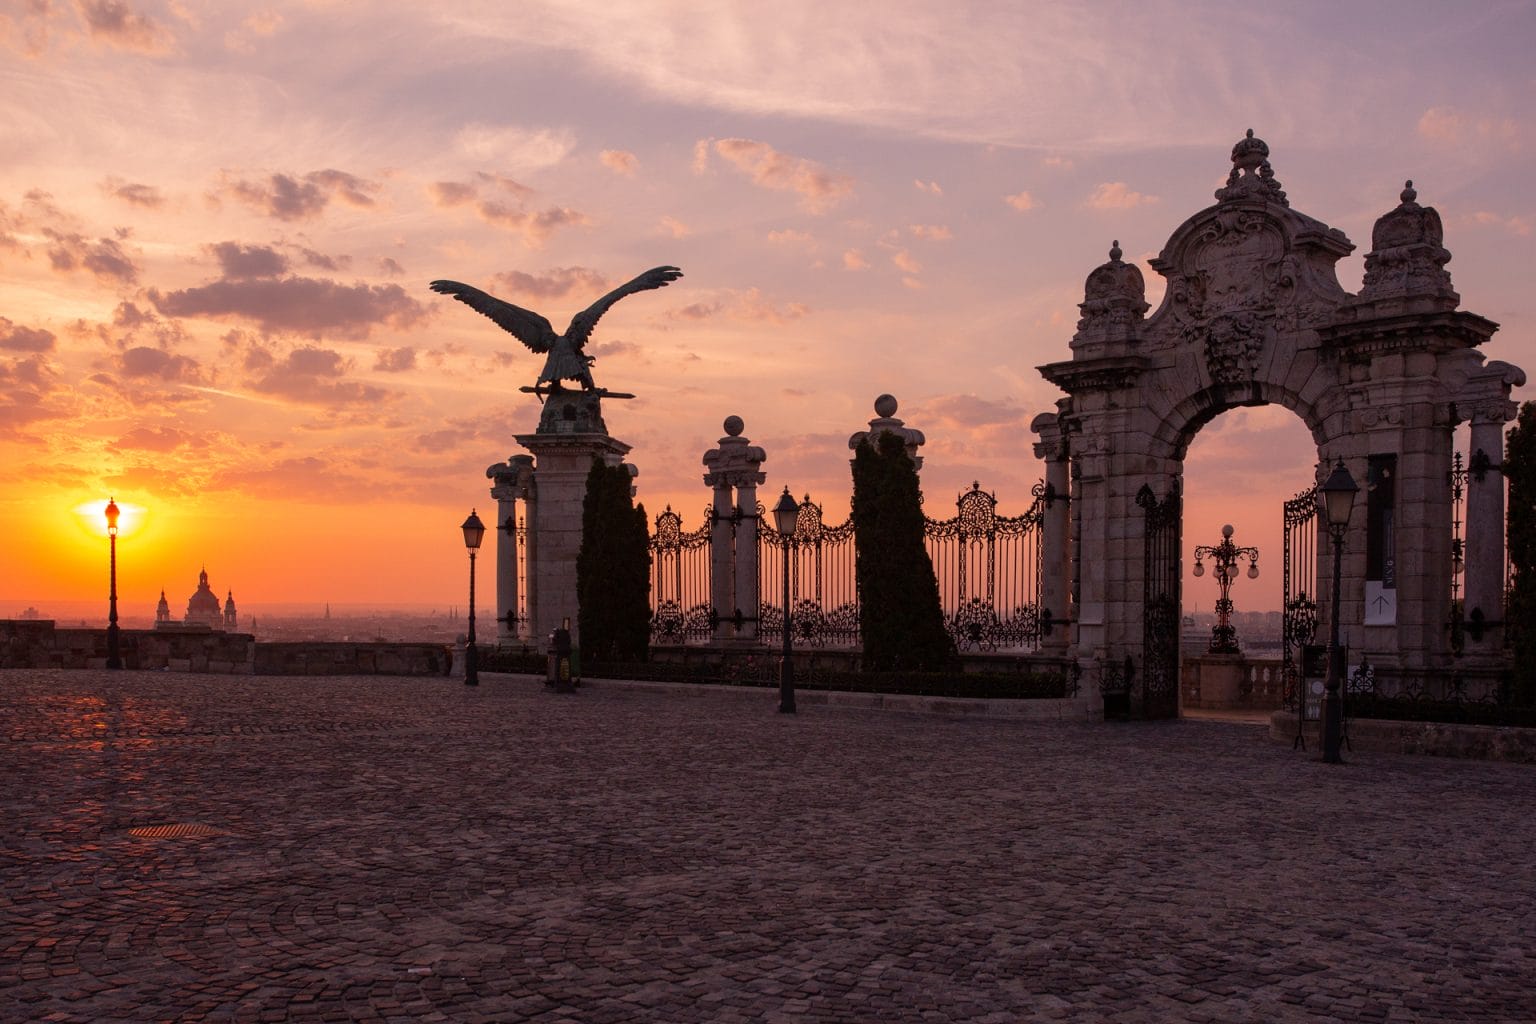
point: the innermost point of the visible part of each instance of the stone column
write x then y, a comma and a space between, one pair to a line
1055, 565
504, 489
1484, 548
746, 555
734, 463
570, 435
722, 585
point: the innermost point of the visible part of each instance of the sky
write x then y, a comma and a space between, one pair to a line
218, 222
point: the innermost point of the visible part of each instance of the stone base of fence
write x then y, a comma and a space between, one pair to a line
1440, 739
1230, 682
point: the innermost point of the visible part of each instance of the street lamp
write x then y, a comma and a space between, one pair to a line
1339, 492
114, 651
474, 531
1224, 558
785, 515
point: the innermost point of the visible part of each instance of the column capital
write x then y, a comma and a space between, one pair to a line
734, 461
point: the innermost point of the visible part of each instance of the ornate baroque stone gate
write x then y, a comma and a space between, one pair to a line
1254, 315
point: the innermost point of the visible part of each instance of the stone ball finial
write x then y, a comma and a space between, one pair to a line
1226, 532
1408, 195
1115, 252
1250, 153
885, 406
734, 426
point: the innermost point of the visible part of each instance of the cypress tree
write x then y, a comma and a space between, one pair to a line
1520, 615
900, 616
613, 570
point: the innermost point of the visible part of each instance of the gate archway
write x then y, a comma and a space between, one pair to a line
1254, 314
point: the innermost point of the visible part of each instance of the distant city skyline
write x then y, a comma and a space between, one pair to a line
217, 225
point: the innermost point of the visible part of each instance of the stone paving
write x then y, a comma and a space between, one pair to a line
385, 849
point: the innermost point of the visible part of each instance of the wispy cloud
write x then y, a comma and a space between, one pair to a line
117, 24
1021, 201
1117, 195
287, 197
620, 161
522, 150
819, 189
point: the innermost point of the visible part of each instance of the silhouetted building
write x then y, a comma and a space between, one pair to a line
203, 609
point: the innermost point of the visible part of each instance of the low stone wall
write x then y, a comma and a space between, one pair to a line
838, 659
1231, 682
1439, 739
38, 643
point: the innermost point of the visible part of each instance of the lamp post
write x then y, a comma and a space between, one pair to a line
1339, 492
474, 531
114, 650
785, 515
1224, 558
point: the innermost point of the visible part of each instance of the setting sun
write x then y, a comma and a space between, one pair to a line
91, 517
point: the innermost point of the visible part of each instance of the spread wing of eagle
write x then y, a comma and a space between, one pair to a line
565, 358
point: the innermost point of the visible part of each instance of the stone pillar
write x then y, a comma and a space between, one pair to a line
504, 489
885, 422
734, 464
570, 435
722, 586
746, 557
1055, 564
1484, 548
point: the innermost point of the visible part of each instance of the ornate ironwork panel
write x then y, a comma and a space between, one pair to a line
680, 581
1298, 624
988, 569
823, 589
1160, 603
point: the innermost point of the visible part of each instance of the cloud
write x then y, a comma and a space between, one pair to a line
818, 188
930, 232
147, 196
556, 283
27, 388
16, 338
620, 161
526, 149
903, 261
854, 260
1021, 201
749, 306
1447, 126
302, 305
289, 198
536, 228
240, 262
301, 477
451, 193
159, 439
1117, 195
261, 25
1514, 225
391, 266
931, 187
396, 360
676, 228
789, 236
311, 375
158, 364
1060, 163
104, 257
117, 24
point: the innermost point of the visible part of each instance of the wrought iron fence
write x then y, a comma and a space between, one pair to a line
987, 566
680, 581
823, 588
1298, 624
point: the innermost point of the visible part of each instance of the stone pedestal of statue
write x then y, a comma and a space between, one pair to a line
571, 434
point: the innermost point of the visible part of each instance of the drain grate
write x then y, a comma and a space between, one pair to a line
187, 830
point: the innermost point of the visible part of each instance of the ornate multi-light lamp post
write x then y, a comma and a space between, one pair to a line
114, 649
1338, 492
786, 514
474, 531
1224, 558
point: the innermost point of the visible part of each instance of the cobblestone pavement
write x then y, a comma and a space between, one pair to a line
415, 850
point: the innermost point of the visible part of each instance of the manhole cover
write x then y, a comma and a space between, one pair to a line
181, 831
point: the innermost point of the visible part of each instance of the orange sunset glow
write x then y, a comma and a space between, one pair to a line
218, 222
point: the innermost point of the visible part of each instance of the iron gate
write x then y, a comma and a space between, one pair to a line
1298, 622
1160, 603
680, 581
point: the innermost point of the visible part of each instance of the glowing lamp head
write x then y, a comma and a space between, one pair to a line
1339, 492
112, 514
474, 531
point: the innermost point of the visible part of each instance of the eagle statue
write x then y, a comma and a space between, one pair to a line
565, 360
